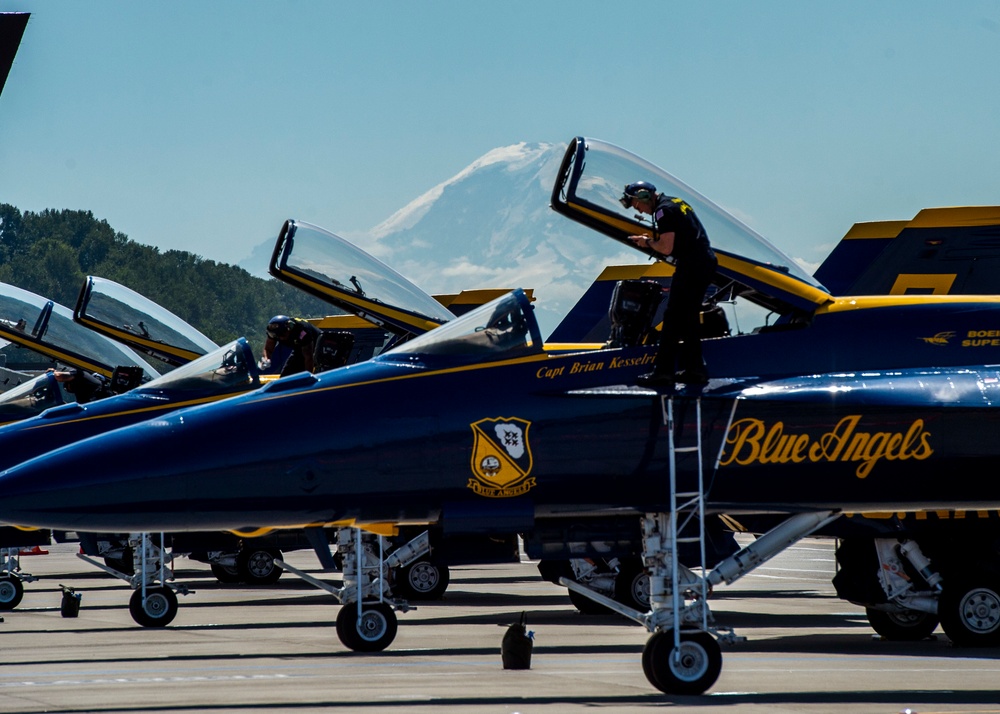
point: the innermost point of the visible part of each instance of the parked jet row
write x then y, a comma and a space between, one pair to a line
834, 405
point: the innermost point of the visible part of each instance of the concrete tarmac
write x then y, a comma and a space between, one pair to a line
233, 648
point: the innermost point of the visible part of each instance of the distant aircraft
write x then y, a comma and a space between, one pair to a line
205, 373
833, 405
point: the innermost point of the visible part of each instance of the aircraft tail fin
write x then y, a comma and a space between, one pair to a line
588, 320
941, 251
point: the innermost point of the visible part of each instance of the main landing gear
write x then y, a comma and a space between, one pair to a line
154, 602
906, 595
683, 654
367, 621
622, 579
252, 564
12, 578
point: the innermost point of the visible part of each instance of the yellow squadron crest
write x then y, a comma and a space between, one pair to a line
501, 457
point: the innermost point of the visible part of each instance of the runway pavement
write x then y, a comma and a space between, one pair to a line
237, 649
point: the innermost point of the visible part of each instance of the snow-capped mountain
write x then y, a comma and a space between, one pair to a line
490, 226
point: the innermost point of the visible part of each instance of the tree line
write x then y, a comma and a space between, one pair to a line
51, 253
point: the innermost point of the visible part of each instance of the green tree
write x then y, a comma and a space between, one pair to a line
51, 253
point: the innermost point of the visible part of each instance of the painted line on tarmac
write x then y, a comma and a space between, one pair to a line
84, 681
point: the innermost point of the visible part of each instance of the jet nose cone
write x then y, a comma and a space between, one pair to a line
105, 482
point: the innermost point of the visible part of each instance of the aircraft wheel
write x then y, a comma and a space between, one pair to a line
693, 672
423, 580
256, 565
632, 586
158, 610
970, 612
11, 591
225, 574
373, 633
905, 626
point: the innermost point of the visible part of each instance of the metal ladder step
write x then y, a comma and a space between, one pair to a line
686, 521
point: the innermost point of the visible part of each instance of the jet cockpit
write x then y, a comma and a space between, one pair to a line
501, 329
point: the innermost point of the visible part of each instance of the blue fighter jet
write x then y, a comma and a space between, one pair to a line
834, 404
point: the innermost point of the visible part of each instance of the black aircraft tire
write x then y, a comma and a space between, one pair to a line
256, 565
225, 574
159, 609
585, 605
698, 669
374, 633
907, 626
632, 586
970, 611
423, 580
11, 591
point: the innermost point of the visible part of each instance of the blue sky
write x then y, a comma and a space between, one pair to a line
201, 126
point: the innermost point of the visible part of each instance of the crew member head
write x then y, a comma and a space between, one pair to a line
279, 326
640, 196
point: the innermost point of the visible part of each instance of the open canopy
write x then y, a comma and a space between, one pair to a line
133, 319
46, 327
591, 180
326, 265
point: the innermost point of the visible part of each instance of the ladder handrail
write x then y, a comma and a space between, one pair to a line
692, 509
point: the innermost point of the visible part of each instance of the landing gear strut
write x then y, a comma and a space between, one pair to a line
683, 654
367, 621
12, 579
151, 605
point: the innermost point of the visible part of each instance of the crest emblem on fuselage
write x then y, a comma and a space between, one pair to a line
941, 339
501, 457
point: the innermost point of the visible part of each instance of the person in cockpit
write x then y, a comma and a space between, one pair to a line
297, 334
677, 233
85, 386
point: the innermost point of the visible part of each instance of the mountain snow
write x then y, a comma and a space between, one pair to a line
490, 226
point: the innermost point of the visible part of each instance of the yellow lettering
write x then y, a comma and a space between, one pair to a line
751, 441
829, 446
743, 435
578, 367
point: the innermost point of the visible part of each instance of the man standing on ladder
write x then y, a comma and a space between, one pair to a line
677, 233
